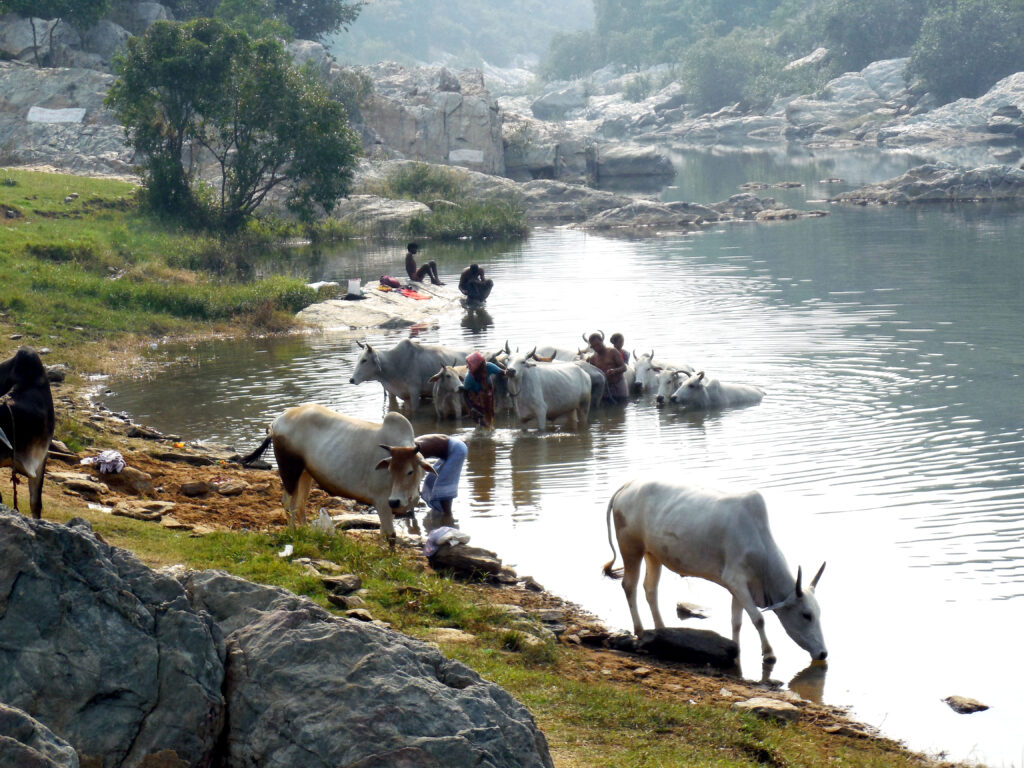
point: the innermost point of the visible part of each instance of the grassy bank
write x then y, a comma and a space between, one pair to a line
592, 709
79, 262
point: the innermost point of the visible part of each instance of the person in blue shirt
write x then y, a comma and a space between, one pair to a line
478, 388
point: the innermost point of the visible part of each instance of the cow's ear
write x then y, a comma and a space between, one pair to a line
656, 368
427, 466
436, 376
383, 463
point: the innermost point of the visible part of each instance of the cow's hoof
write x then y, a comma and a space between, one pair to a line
768, 659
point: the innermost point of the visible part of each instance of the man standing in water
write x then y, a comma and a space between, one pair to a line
427, 270
610, 361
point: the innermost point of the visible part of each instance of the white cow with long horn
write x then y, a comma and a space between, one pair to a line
721, 537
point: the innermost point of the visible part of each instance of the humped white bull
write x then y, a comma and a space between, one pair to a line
376, 464
698, 392
544, 391
405, 369
721, 537
647, 369
448, 387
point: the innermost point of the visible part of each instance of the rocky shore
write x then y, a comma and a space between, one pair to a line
200, 667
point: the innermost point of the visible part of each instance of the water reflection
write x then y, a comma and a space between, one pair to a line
476, 319
481, 461
810, 681
539, 460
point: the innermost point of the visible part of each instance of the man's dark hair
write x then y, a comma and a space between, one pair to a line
412, 247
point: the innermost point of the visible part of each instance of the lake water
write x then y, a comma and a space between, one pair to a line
890, 342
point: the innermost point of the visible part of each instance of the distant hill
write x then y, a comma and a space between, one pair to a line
458, 32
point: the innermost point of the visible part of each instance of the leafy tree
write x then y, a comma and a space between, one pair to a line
859, 32
315, 19
82, 14
257, 18
199, 91
991, 30
573, 55
739, 67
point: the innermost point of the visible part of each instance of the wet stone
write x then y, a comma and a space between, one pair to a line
689, 646
343, 585
964, 705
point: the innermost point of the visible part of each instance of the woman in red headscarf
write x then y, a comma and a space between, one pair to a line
478, 389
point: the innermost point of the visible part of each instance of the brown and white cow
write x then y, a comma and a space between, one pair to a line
376, 464
26, 421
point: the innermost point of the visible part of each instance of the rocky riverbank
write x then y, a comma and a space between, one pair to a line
201, 667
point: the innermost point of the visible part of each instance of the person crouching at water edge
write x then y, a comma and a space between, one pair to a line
479, 390
441, 489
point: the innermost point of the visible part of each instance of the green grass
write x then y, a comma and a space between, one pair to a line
604, 724
455, 213
80, 262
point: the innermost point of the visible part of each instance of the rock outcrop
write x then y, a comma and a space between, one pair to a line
132, 667
55, 116
106, 653
433, 114
27, 743
943, 182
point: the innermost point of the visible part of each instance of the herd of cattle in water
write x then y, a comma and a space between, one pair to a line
721, 537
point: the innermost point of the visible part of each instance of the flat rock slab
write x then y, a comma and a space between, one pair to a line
149, 511
462, 559
346, 522
768, 708
383, 309
689, 646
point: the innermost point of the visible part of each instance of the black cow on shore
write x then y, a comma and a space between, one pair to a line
26, 421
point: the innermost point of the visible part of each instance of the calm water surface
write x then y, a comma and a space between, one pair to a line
890, 443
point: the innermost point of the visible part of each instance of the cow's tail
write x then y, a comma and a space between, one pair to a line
251, 458
609, 571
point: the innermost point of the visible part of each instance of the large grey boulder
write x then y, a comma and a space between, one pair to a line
102, 650
434, 115
105, 39
994, 118
943, 182
557, 202
17, 41
559, 102
651, 214
306, 688
631, 163
27, 743
852, 97
93, 144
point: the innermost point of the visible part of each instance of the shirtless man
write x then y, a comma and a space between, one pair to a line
427, 270
610, 361
473, 285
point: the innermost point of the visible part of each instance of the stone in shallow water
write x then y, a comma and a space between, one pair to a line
689, 646
965, 705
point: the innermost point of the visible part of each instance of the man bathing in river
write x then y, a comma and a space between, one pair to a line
473, 285
610, 361
427, 270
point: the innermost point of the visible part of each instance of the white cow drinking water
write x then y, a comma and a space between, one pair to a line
721, 537
647, 370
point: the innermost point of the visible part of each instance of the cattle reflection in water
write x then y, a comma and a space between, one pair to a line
538, 462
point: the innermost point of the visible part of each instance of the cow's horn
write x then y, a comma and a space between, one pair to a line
634, 353
361, 345
385, 447
585, 339
797, 590
814, 581
533, 352
700, 376
507, 350
602, 333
